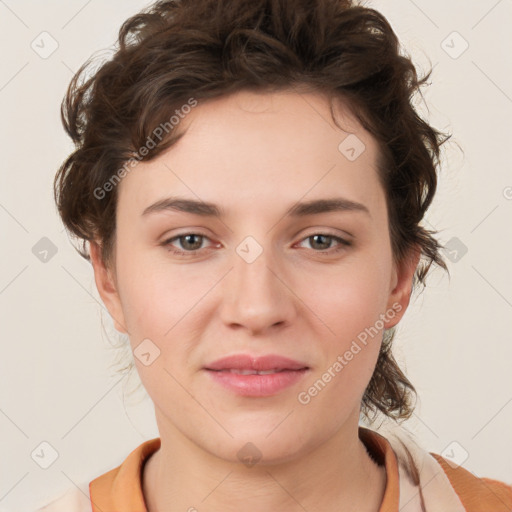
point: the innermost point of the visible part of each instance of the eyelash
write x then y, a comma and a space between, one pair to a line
343, 244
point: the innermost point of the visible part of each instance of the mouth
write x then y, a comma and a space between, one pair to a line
252, 376
246, 364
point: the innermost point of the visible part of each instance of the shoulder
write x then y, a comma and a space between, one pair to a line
74, 500
476, 494
442, 485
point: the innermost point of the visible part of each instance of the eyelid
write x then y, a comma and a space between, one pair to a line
330, 232
167, 242
342, 242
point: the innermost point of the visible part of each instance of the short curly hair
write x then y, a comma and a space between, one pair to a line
180, 49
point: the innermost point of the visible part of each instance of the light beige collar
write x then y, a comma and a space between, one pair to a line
434, 489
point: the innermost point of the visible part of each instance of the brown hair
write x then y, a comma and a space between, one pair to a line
179, 51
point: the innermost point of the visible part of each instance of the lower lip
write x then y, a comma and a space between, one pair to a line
257, 385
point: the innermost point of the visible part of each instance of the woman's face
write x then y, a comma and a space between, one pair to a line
257, 280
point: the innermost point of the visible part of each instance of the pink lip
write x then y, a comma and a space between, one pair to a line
287, 372
247, 362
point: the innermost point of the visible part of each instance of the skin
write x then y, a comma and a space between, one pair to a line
256, 154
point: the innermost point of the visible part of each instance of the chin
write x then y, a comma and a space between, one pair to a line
252, 446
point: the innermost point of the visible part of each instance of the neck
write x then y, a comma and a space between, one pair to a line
336, 476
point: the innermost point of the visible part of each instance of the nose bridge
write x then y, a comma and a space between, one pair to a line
254, 294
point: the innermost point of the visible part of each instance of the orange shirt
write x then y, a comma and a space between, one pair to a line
441, 487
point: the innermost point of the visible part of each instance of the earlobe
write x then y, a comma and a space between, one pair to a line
106, 286
400, 295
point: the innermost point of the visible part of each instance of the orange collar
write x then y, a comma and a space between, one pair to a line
121, 488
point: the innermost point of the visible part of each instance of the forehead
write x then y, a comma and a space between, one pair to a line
261, 148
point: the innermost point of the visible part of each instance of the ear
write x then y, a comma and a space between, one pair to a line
401, 286
106, 286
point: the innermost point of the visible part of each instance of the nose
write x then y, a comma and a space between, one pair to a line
255, 294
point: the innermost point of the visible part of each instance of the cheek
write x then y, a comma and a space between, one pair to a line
351, 299
353, 343
351, 312
350, 305
156, 295
168, 305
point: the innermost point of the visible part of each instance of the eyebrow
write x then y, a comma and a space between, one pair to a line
205, 209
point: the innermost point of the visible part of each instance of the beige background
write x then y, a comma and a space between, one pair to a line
57, 383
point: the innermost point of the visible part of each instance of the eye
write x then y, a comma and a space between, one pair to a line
190, 242
323, 242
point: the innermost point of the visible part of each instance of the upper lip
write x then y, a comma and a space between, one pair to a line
256, 363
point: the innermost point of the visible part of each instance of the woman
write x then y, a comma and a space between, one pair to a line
248, 182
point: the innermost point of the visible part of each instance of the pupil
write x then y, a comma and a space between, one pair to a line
188, 237
321, 236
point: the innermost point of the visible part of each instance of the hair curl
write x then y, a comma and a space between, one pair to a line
178, 49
